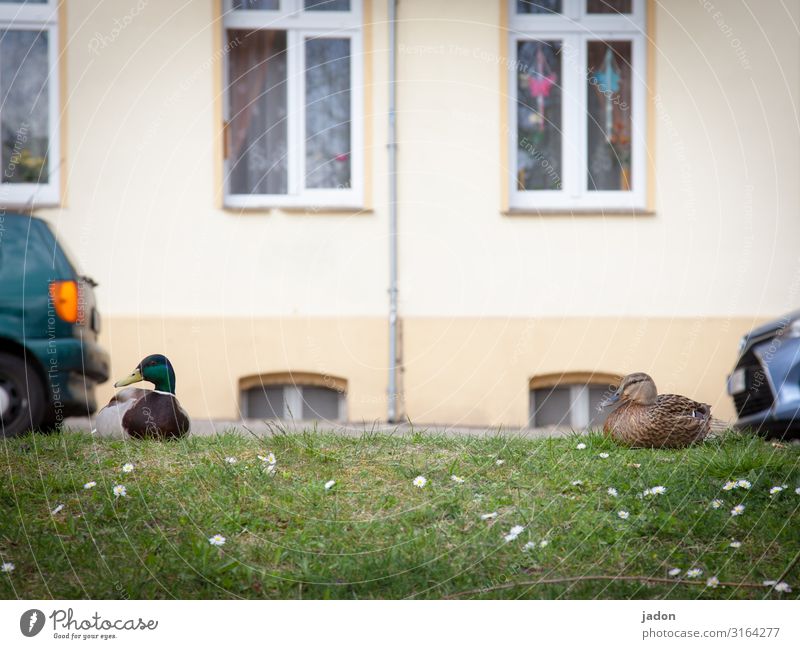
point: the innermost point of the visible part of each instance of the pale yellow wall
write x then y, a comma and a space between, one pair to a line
268, 290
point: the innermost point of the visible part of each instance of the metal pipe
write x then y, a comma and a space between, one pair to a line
392, 414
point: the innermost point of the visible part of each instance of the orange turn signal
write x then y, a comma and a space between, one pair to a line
64, 296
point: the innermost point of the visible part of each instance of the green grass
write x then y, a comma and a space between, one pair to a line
375, 535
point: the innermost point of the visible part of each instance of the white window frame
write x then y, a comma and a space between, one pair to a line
299, 25
38, 17
575, 27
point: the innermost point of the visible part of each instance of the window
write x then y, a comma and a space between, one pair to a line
293, 105
569, 401
294, 396
29, 149
577, 108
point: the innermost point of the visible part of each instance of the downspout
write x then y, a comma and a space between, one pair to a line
392, 414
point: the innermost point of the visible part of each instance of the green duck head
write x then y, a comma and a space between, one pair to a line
157, 369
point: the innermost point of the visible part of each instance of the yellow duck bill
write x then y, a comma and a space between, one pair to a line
135, 377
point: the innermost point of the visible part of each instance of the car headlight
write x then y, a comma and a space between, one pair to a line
742, 344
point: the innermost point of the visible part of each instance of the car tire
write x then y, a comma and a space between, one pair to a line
22, 396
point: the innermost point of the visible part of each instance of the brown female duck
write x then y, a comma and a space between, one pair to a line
648, 419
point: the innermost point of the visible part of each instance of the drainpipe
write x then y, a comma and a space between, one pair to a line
393, 409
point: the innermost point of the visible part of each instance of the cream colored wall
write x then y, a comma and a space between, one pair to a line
488, 299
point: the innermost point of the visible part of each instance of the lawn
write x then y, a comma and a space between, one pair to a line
374, 534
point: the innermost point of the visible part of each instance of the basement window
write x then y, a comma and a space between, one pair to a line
569, 401
294, 397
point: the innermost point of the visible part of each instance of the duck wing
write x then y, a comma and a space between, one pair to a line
108, 421
682, 420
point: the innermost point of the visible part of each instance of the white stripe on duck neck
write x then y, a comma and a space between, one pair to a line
162, 392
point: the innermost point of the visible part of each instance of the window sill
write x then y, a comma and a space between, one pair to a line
582, 211
303, 210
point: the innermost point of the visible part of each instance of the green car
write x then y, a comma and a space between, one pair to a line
50, 361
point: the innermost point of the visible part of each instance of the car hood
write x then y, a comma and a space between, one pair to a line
771, 327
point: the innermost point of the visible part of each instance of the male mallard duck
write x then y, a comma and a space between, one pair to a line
649, 419
146, 413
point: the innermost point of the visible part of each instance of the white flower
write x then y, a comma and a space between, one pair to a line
329, 484
674, 572
612, 492
486, 517
7, 567
623, 514
581, 446
716, 503
127, 467
271, 468
658, 490
735, 544
230, 460
420, 481
728, 486
712, 582
776, 490
577, 483
90, 485
217, 539
269, 458
543, 543
514, 532
797, 491
120, 490
529, 546
769, 582
57, 509
457, 478
738, 510
500, 462
782, 587
744, 484
603, 455
694, 572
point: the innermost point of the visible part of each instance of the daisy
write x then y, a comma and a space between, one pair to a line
776, 490
603, 455
797, 491
658, 490
623, 514
90, 485
716, 503
738, 510
230, 460
486, 517
457, 478
127, 467
744, 484
420, 481
674, 572
577, 483
217, 539
120, 490
329, 484
271, 468
514, 532
543, 543
712, 582
500, 462
57, 509
269, 458
729, 485
581, 446
530, 545
612, 492
694, 572
735, 544
782, 587
7, 567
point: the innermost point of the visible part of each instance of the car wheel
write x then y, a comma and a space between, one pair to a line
22, 397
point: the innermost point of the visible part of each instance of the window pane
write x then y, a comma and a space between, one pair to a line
272, 5
24, 101
320, 403
608, 6
609, 115
327, 113
597, 416
539, 115
550, 407
538, 6
326, 5
264, 402
257, 137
